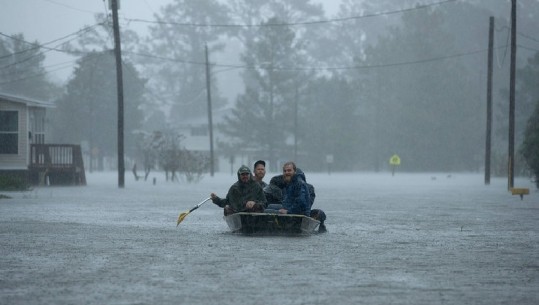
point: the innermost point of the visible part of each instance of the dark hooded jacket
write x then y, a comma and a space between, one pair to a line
310, 187
295, 194
240, 192
273, 193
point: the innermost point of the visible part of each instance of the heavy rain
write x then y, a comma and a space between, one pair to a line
406, 239
415, 121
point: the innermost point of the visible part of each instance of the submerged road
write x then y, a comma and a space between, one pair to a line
407, 239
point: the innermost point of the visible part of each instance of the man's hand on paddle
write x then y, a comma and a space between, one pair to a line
249, 204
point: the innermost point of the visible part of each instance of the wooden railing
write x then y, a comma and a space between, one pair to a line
59, 163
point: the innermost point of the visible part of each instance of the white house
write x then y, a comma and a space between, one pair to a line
197, 138
22, 122
24, 153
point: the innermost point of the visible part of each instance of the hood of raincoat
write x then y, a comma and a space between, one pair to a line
244, 169
301, 174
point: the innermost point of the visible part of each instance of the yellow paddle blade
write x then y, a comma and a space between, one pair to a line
181, 217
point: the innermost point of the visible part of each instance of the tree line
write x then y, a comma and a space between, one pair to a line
373, 80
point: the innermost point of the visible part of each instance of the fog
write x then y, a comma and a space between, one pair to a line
335, 86
45, 21
343, 89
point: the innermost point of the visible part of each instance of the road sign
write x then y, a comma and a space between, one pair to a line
395, 160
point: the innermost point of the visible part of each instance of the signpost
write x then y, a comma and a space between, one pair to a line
394, 161
329, 161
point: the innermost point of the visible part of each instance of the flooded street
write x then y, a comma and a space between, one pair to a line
407, 239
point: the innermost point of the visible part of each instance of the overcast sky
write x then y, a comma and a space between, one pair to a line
47, 20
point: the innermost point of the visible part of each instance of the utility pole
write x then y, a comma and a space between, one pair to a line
511, 156
377, 128
119, 85
271, 137
296, 124
210, 119
489, 100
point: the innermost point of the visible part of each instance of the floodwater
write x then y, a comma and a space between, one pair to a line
406, 239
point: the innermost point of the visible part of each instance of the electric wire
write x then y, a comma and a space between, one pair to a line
314, 22
239, 66
35, 46
69, 7
63, 66
228, 67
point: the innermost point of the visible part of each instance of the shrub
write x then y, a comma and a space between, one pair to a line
10, 183
530, 146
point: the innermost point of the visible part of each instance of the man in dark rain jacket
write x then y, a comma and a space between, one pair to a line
246, 195
295, 195
274, 192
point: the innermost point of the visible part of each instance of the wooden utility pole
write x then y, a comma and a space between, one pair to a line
489, 100
511, 153
296, 97
210, 119
119, 85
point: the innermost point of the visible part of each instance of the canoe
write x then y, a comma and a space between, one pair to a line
271, 224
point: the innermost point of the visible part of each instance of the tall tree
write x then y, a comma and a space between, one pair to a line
21, 69
530, 146
88, 109
175, 59
273, 86
527, 116
331, 124
527, 94
273, 47
426, 99
254, 13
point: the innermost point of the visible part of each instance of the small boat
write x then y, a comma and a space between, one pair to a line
271, 224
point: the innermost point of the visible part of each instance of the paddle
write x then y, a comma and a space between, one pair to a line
184, 214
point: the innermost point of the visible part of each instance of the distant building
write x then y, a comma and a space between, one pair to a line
197, 139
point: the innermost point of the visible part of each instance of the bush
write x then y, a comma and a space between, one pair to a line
10, 183
530, 146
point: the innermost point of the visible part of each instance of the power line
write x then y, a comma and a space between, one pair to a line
35, 75
405, 63
528, 37
527, 48
181, 61
63, 65
251, 67
37, 46
236, 66
78, 34
43, 45
333, 20
506, 47
69, 7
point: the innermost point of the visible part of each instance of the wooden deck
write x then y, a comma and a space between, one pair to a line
56, 164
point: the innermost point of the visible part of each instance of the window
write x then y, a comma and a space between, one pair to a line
9, 132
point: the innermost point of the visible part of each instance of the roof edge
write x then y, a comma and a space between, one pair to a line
25, 100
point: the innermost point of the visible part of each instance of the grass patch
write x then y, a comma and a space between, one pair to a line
8, 183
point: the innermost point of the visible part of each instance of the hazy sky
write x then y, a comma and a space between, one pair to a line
47, 20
